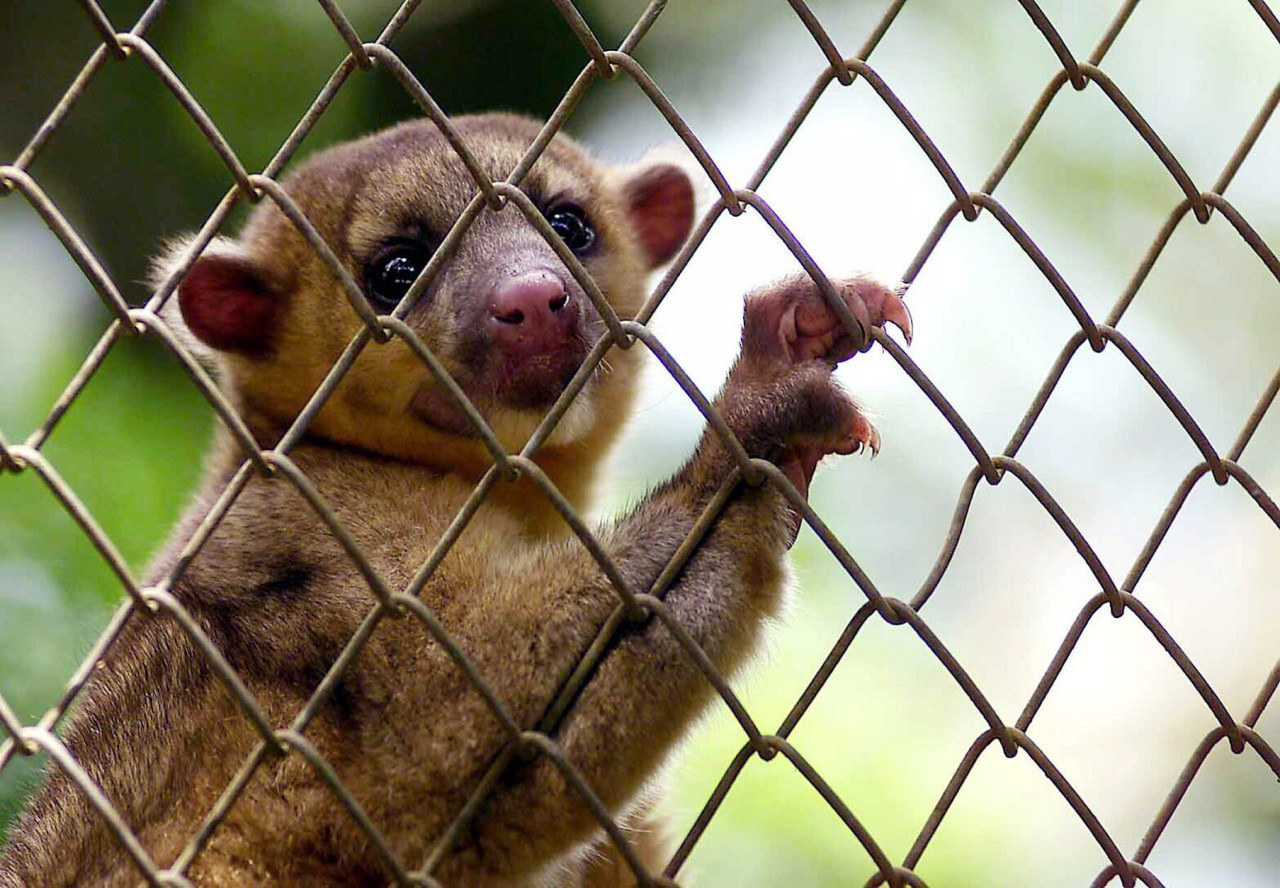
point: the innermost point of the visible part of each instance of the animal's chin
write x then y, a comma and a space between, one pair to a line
513, 414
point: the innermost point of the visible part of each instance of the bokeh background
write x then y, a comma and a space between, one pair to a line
128, 168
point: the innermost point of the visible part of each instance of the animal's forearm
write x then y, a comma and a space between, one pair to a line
647, 688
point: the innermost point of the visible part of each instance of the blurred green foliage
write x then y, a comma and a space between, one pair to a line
57, 590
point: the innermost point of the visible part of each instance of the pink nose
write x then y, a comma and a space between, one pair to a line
534, 308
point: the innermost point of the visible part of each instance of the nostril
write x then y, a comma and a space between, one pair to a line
534, 300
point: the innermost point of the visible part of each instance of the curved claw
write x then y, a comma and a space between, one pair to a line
894, 311
873, 434
860, 437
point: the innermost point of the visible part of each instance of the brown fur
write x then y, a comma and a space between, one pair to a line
404, 730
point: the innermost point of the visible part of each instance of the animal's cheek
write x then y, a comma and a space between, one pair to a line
383, 379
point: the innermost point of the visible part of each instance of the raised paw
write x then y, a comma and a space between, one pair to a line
791, 321
780, 399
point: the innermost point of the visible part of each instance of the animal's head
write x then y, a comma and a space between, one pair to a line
504, 314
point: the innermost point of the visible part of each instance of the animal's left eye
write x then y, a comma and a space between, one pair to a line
571, 223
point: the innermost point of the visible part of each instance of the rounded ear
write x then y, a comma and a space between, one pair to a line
659, 200
226, 299
228, 305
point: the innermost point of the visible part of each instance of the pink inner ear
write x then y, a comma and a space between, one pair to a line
661, 207
227, 305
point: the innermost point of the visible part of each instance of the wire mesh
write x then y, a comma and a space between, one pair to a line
1119, 599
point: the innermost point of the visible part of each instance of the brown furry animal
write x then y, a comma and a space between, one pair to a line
395, 459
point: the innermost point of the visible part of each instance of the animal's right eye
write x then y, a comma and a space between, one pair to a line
392, 271
571, 223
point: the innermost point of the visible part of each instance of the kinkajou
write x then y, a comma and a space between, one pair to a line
395, 458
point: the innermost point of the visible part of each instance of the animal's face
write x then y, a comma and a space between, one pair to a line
503, 314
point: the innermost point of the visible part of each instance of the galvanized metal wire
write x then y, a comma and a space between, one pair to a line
1013, 738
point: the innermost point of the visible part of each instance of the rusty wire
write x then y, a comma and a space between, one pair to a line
1120, 600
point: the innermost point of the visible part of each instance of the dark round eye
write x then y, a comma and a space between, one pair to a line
392, 271
570, 222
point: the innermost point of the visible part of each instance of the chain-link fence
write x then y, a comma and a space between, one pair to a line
1117, 598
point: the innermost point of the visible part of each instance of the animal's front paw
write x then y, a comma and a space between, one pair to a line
783, 402
790, 321
837, 426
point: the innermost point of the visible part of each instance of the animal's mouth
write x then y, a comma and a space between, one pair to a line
533, 380
504, 395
